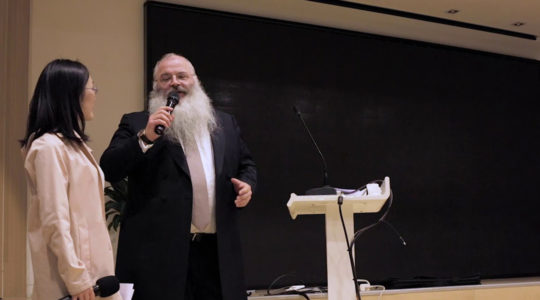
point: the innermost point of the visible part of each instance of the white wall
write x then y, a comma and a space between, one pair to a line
106, 36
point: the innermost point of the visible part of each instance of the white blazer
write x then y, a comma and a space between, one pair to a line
69, 242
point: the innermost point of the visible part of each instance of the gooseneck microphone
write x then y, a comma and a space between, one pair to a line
104, 287
172, 99
325, 189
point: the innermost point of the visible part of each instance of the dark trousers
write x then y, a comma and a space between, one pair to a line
203, 281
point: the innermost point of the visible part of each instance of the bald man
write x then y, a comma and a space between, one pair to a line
179, 237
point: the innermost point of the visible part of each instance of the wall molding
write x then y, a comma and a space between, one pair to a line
14, 37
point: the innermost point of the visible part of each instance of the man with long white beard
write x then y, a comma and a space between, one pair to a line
179, 237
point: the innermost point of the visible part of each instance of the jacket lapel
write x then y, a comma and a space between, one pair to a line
178, 156
88, 153
218, 145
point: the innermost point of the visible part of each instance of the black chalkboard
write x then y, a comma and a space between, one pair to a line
455, 130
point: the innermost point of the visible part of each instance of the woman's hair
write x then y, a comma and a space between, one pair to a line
56, 104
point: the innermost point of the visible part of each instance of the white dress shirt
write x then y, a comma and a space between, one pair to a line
204, 144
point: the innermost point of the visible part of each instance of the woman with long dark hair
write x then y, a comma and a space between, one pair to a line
69, 242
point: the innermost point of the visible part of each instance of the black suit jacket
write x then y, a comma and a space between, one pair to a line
154, 237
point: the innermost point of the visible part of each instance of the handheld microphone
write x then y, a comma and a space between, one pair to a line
172, 99
104, 287
325, 189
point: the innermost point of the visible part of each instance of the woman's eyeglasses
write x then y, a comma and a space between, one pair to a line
95, 89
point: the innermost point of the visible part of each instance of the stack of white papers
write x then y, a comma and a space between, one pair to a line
126, 291
371, 189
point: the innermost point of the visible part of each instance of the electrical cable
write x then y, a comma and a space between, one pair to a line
382, 291
349, 249
357, 234
283, 291
382, 219
367, 286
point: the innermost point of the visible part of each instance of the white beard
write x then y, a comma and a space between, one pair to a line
193, 116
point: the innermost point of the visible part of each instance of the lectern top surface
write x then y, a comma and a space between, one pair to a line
317, 204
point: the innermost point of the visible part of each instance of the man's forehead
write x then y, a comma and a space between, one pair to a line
175, 64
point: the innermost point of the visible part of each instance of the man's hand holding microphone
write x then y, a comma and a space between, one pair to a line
160, 119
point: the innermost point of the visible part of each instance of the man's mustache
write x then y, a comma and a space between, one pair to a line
180, 89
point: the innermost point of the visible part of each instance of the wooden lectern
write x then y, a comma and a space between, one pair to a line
339, 273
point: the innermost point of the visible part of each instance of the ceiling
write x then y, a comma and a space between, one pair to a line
411, 19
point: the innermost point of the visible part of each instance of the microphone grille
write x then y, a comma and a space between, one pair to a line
173, 96
108, 285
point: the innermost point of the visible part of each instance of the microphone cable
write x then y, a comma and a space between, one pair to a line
357, 234
284, 291
349, 249
382, 219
